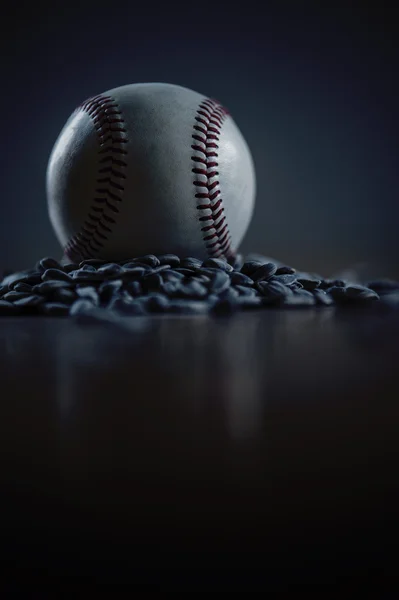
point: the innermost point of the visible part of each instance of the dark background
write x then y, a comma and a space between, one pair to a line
272, 432
314, 91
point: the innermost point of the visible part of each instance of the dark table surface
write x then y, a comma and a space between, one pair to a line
264, 442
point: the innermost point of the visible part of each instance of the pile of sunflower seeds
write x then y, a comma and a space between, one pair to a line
169, 284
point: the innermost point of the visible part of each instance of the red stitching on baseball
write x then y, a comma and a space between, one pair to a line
208, 122
105, 113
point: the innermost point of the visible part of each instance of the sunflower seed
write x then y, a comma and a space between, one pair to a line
284, 279
172, 275
212, 299
356, 290
108, 270
245, 291
171, 288
220, 282
29, 301
14, 278
169, 259
205, 279
229, 294
367, 297
70, 267
13, 296
236, 261
47, 287
208, 272
32, 277
264, 272
87, 278
65, 295
337, 283
184, 271
191, 289
238, 278
94, 262
251, 266
273, 289
135, 267
275, 295
134, 288
87, 268
309, 284
195, 289
217, 263
55, 309
161, 269
190, 263
338, 293
149, 259
89, 293
133, 264
107, 291
384, 286
114, 285
23, 287
48, 263
300, 298
360, 293
55, 275
157, 303
322, 297
285, 270
80, 306
134, 273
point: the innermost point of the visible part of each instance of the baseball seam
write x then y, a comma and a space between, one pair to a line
109, 125
206, 134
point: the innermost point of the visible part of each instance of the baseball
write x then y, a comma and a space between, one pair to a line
150, 168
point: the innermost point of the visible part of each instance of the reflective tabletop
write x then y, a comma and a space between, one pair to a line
266, 439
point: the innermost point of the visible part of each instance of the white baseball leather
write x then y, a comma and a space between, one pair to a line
150, 168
